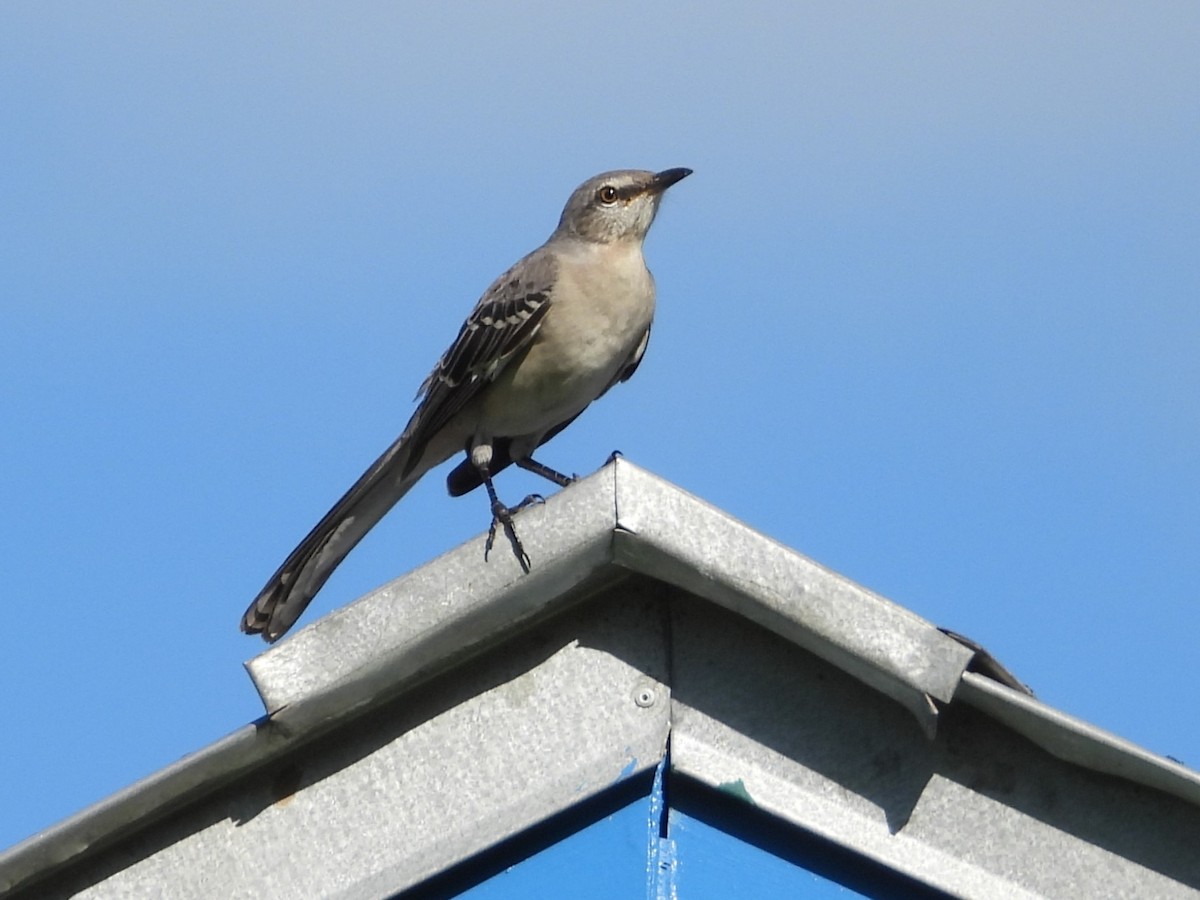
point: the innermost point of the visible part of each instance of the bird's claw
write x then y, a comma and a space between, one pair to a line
613, 457
502, 515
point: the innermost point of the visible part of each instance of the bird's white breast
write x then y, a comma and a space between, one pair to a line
601, 306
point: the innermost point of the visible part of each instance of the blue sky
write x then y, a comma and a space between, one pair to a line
928, 313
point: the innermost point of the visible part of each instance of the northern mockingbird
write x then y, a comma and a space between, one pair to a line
550, 335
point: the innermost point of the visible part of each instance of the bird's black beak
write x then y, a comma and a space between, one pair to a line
668, 177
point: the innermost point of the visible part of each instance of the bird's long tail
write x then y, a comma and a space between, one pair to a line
287, 593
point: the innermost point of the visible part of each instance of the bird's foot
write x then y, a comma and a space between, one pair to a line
613, 457
503, 516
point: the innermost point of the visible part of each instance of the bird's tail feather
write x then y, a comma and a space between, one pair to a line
308, 567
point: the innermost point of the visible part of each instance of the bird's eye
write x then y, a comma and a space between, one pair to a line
607, 195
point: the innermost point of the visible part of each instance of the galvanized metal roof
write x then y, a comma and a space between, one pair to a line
647, 614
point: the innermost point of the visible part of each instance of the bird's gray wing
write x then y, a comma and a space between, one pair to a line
464, 477
502, 324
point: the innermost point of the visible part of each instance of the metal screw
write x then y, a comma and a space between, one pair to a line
645, 697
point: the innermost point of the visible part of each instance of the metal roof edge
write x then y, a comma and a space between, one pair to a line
357, 656
622, 518
440, 611
103, 822
1079, 742
667, 533
620, 515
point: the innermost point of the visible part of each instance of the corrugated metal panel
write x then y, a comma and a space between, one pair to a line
978, 812
426, 780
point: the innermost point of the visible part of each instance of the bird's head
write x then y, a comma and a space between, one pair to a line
616, 206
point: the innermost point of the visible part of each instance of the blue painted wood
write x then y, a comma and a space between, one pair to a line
660, 863
711, 863
727, 848
599, 849
606, 859
668, 838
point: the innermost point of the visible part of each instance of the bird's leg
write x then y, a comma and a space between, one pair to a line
532, 465
502, 515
